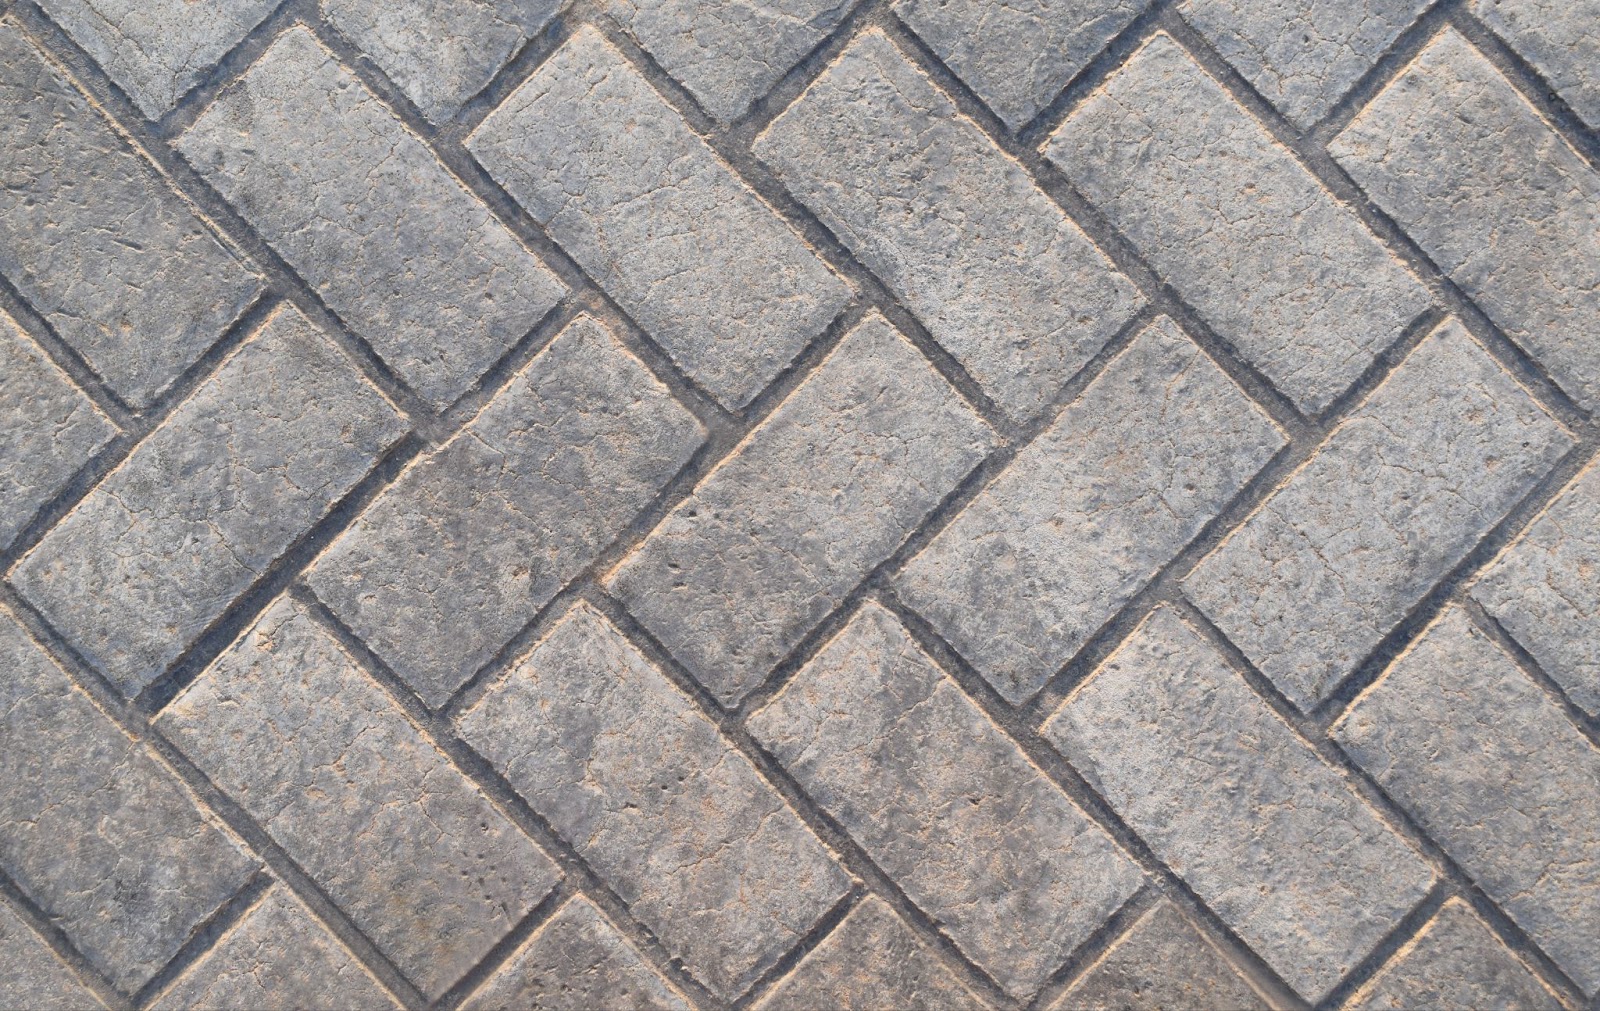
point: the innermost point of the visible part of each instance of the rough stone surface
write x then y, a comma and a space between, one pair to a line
97, 241
1495, 197
870, 961
35, 977
1125, 477
1240, 228
48, 428
826, 488
576, 962
1559, 39
1240, 807
278, 956
1455, 964
624, 766
1395, 497
247, 464
1000, 276
1161, 963
472, 540
659, 219
369, 807
1492, 769
94, 830
1545, 590
360, 207
944, 802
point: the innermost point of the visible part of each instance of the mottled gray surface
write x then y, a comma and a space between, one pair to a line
620, 762
1242, 230
944, 802
1223, 790
1490, 767
35, 977
97, 241
359, 206
1559, 39
476, 537
1455, 964
1005, 281
359, 797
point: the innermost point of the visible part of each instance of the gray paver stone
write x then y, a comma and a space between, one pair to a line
1558, 38
35, 978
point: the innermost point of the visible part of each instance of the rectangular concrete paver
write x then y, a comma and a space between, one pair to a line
640, 782
359, 206
35, 976
945, 803
1240, 228
331, 767
1329, 564
1559, 39
1266, 833
823, 490
658, 219
1490, 767
1000, 276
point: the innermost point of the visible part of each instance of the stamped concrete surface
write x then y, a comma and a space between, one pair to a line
794, 505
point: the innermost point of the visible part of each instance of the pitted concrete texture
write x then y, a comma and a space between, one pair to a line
795, 505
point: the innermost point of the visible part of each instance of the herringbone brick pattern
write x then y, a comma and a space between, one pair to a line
887, 504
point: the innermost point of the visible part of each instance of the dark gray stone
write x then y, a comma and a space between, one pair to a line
1455, 964
1558, 37
35, 979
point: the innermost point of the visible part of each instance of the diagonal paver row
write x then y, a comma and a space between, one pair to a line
677, 504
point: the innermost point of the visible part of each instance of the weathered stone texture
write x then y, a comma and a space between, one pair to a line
1403, 489
641, 783
1494, 196
944, 802
322, 757
48, 428
462, 551
362, 209
1240, 228
870, 961
247, 464
823, 490
34, 978
94, 830
1125, 477
996, 271
1493, 770
277, 957
1558, 37
576, 962
97, 241
658, 219
1267, 834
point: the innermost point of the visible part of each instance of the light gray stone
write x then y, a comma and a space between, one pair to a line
1000, 276
460, 553
633, 775
1087, 513
365, 212
1161, 964
287, 725
731, 52
1493, 770
823, 490
871, 961
277, 957
1233, 222
440, 52
94, 830
97, 242
1495, 197
1545, 590
157, 50
945, 803
1303, 55
575, 962
1400, 491
1558, 38
658, 219
1224, 792
34, 978
48, 428
1455, 964
1017, 56
247, 464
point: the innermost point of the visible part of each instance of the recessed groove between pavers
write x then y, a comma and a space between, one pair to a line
64, 356
820, 931
205, 934
1496, 632
56, 941
507, 946
1401, 51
